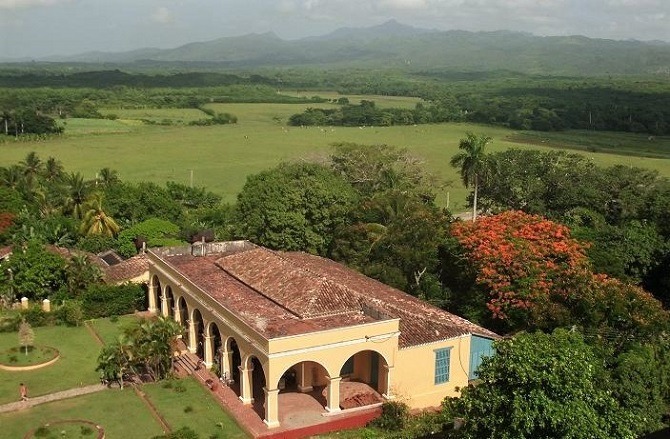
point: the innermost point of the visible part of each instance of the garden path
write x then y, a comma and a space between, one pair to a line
70, 393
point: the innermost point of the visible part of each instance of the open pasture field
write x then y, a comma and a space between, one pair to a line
380, 101
598, 141
158, 115
222, 156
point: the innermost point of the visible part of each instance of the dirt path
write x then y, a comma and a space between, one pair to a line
70, 393
154, 411
94, 333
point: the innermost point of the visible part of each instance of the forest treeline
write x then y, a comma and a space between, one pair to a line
520, 102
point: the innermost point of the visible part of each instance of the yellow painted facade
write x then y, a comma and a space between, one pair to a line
312, 360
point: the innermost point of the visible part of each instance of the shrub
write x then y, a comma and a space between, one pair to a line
111, 300
394, 416
70, 313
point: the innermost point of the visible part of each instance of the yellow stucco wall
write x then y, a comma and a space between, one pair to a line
414, 373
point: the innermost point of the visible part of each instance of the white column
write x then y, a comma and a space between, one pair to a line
164, 305
271, 407
333, 400
209, 349
192, 336
152, 299
388, 394
246, 385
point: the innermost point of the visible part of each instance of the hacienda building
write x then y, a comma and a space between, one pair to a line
272, 322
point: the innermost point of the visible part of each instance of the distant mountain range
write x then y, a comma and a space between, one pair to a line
394, 45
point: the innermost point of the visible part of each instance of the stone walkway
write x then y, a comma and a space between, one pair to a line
71, 393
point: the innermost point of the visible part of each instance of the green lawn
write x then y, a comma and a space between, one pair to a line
121, 413
222, 156
109, 330
193, 407
75, 368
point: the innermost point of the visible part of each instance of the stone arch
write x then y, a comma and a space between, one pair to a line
214, 348
370, 367
196, 333
306, 377
169, 301
155, 294
231, 363
257, 383
181, 314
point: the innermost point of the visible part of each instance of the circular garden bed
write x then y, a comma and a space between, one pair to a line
16, 359
68, 429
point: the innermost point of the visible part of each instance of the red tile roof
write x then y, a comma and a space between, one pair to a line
288, 293
127, 270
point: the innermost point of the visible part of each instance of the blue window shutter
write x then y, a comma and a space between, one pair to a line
480, 347
442, 360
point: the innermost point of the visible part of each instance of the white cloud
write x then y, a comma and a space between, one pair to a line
163, 15
404, 4
16, 4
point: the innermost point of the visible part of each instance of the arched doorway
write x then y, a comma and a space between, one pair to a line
257, 385
232, 364
169, 296
155, 294
304, 384
181, 315
365, 379
215, 344
196, 334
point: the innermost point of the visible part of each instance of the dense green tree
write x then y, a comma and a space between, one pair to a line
81, 273
472, 163
372, 169
294, 206
155, 232
542, 386
35, 272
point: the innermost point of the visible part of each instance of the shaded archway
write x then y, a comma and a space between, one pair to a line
365, 379
213, 348
231, 361
196, 334
307, 378
155, 294
181, 316
169, 302
257, 385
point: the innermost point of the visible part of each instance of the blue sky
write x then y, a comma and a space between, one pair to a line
34, 28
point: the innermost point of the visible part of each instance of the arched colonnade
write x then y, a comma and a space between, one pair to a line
237, 359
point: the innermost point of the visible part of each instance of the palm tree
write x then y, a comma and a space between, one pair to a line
107, 177
81, 273
472, 161
32, 166
53, 169
77, 190
95, 221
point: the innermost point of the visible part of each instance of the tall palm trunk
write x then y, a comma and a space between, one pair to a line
474, 200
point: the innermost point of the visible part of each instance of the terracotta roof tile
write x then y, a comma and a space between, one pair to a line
129, 269
288, 293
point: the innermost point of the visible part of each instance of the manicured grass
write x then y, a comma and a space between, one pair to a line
20, 356
75, 368
221, 157
120, 412
109, 330
192, 406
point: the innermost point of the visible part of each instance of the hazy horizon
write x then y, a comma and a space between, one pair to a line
43, 28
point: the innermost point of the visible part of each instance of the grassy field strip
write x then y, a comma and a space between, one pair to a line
221, 157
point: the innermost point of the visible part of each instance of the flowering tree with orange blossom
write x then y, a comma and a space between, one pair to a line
536, 276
